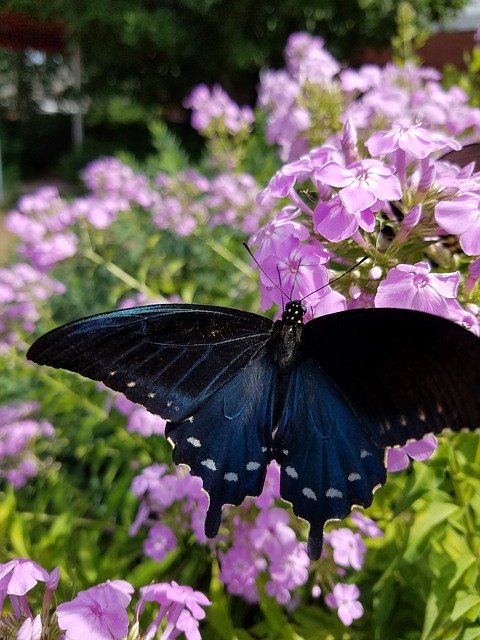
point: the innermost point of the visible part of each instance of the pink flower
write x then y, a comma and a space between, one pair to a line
20, 575
411, 138
98, 613
414, 287
344, 598
348, 548
366, 525
398, 457
461, 216
362, 184
160, 541
180, 605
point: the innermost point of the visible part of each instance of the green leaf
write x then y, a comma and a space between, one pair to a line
466, 605
423, 527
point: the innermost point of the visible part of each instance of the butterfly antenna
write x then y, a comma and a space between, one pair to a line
281, 290
263, 270
335, 279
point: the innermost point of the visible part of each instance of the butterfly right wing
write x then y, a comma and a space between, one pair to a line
227, 442
168, 358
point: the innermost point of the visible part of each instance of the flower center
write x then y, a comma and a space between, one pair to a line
420, 281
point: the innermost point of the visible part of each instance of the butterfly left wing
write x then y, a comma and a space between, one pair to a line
227, 442
168, 358
328, 461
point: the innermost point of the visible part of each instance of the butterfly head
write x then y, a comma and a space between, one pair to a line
294, 312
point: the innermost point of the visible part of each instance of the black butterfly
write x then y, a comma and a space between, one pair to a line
323, 398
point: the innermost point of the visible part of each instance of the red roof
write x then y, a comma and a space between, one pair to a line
20, 32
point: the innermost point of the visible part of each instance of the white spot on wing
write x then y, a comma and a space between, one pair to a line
334, 493
194, 441
131, 384
210, 464
112, 373
422, 415
253, 466
169, 403
190, 419
364, 453
151, 395
308, 493
264, 449
290, 471
403, 421
285, 452
231, 477
354, 476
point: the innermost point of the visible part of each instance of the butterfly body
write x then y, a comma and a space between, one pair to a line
324, 399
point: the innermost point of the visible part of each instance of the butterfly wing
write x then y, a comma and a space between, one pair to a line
168, 358
227, 442
328, 460
404, 373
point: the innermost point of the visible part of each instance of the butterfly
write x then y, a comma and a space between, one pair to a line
323, 398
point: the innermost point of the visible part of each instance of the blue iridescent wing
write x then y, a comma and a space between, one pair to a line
169, 358
227, 442
328, 460
405, 373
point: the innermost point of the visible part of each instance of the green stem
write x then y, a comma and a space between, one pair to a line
119, 273
228, 256
62, 388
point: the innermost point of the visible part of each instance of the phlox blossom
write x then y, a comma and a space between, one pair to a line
31, 629
410, 286
99, 613
411, 138
344, 598
348, 548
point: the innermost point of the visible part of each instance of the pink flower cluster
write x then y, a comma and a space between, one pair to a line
213, 109
23, 289
18, 432
372, 96
99, 613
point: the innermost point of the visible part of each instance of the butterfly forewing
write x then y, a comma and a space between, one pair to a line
404, 373
169, 358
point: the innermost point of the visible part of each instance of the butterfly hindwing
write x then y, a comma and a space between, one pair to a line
329, 462
405, 373
169, 358
226, 443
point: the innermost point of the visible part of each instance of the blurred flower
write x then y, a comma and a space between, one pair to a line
214, 109
18, 431
348, 548
344, 598
180, 606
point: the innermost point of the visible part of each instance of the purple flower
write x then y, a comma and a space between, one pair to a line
180, 605
366, 525
414, 287
160, 541
362, 184
20, 575
99, 613
348, 548
332, 220
214, 108
344, 598
17, 434
398, 457
461, 216
411, 138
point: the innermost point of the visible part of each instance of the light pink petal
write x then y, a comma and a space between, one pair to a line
357, 196
416, 141
345, 614
400, 295
456, 216
421, 449
382, 142
470, 240
397, 459
333, 222
334, 175
385, 187
366, 220
446, 284
429, 301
